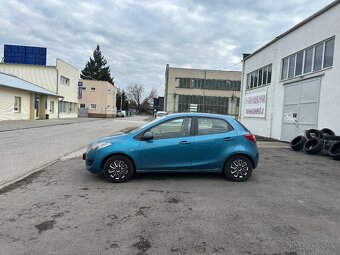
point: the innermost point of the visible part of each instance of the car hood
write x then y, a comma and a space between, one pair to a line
111, 138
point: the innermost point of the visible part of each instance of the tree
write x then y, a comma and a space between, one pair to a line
135, 93
122, 102
96, 69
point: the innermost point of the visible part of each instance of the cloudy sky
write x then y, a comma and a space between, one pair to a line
139, 37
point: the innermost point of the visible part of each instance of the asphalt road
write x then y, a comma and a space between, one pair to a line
290, 206
23, 151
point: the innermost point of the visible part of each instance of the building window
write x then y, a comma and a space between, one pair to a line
82, 105
72, 107
93, 89
311, 59
208, 104
109, 91
259, 77
108, 108
212, 84
62, 106
17, 104
329, 52
84, 88
51, 106
308, 60
93, 106
64, 80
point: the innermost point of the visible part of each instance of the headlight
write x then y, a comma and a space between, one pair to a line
98, 146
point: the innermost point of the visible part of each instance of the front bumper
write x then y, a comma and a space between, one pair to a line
92, 161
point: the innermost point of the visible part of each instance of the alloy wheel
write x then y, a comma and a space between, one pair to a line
239, 168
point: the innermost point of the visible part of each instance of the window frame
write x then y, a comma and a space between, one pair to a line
230, 127
93, 108
253, 81
67, 80
17, 102
313, 58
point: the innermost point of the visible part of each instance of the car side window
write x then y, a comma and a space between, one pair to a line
208, 126
171, 129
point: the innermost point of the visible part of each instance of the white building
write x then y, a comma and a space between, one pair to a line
62, 79
292, 83
22, 100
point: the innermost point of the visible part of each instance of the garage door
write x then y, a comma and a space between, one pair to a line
300, 107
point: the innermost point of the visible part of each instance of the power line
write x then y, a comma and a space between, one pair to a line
233, 65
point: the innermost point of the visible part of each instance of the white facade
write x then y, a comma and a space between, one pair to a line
49, 77
320, 110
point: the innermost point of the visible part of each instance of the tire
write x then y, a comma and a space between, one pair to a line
297, 143
118, 169
331, 138
238, 168
313, 146
327, 131
313, 133
334, 151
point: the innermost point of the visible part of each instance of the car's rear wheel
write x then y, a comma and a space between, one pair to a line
238, 168
118, 169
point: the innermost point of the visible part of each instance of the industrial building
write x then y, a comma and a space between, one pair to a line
27, 63
22, 100
291, 84
97, 99
212, 91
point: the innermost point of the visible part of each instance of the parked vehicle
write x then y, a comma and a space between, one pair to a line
121, 113
183, 142
160, 114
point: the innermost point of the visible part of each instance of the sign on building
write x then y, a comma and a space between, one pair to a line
193, 107
255, 104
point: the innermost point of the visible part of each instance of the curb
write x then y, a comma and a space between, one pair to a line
10, 185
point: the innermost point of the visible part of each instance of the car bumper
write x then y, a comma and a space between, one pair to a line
92, 162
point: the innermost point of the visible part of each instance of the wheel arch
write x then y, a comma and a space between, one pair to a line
240, 153
118, 154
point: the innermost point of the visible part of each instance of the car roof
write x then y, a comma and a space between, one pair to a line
199, 114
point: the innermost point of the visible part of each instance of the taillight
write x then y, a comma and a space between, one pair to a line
250, 137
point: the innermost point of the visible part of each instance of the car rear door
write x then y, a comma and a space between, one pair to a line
215, 139
171, 147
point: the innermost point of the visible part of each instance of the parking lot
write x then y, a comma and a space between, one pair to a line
290, 205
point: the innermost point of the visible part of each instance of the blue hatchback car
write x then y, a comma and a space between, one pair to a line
183, 142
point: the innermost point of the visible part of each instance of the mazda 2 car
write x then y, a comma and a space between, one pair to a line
183, 142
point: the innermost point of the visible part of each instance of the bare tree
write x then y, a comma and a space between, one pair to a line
135, 93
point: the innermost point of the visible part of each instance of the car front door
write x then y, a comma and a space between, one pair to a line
215, 139
170, 148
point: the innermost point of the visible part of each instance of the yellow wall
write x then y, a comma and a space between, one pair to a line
7, 96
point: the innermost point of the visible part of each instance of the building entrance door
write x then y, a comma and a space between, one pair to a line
300, 107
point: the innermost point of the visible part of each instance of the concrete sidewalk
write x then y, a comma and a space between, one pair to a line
11, 125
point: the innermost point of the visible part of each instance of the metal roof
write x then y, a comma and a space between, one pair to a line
326, 8
14, 82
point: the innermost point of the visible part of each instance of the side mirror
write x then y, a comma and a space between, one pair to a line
147, 136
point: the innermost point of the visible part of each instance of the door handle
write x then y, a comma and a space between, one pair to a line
184, 142
228, 139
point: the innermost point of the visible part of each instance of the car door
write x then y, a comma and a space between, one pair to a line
170, 148
214, 141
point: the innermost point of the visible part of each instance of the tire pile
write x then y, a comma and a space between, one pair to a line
316, 141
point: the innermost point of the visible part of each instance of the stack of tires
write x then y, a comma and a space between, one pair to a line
316, 141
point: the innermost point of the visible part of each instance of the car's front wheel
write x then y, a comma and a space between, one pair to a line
118, 169
238, 168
